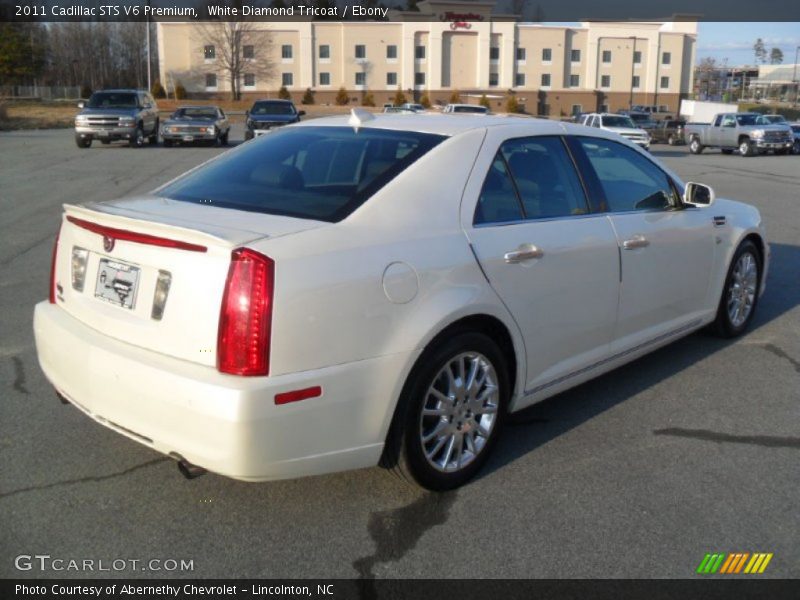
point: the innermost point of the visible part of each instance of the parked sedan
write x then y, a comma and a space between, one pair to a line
366, 290
191, 124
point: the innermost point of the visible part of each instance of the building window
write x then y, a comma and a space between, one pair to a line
635, 82
419, 78
325, 78
391, 79
666, 58
391, 52
545, 79
494, 53
664, 83
248, 52
325, 52
574, 80
286, 52
522, 55
419, 52
605, 81
287, 79
361, 78
547, 55
575, 56
576, 109
249, 80
637, 57
211, 80
493, 80
209, 52
606, 56
361, 51
519, 79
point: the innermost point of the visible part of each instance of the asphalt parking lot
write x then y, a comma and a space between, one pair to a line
692, 449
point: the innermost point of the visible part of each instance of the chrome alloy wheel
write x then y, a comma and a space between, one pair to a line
459, 412
742, 290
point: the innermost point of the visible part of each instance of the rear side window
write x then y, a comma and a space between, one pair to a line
630, 182
321, 173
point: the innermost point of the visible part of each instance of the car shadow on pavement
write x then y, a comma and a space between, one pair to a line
539, 424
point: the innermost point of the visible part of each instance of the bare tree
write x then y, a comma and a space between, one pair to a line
759, 51
240, 47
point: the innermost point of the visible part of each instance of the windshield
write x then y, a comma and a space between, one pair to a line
618, 121
746, 120
639, 117
272, 108
321, 173
770, 119
113, 100
195, 113
470, 109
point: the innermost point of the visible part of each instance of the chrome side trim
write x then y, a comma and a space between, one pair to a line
683, 329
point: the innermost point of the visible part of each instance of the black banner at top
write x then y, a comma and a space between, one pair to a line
399, 10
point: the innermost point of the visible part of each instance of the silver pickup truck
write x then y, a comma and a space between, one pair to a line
112, 115
746, 133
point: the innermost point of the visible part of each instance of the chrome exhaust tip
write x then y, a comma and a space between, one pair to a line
189, 470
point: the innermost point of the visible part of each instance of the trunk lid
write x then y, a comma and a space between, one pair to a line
131, 247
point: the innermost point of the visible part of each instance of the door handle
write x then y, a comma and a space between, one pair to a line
637, 241
522, 253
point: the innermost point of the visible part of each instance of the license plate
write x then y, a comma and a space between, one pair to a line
117, 283
103, 133
188, 138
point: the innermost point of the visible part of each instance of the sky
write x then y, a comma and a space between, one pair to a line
734, 41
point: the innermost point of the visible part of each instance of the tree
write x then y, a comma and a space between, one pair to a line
399, 98
308, 97
455, 97
240, 47
158, 90
484, 101
368, 99
284, 94
22, 52
760, 51
425, 101
180, 91
342, 98
705, 72
512, 105
776, 56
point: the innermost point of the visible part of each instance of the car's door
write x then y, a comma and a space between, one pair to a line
727, 132
666, 248
552, 261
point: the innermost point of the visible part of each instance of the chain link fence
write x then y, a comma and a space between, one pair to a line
52, 92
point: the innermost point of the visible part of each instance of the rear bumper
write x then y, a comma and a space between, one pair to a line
226, 424
188, 137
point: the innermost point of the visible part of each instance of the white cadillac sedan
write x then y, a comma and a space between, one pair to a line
348, 292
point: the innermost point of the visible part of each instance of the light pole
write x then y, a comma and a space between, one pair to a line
794, 76
633, 70
147, 25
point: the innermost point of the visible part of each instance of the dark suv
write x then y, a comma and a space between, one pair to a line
268, 114
111, 115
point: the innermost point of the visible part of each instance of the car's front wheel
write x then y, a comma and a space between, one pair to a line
740, 294
695, 147
82, 142
450, 413
746, 148
137, 141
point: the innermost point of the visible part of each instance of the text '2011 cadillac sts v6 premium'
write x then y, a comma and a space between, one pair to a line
348, 292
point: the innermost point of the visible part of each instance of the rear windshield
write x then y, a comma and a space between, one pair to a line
272, 108
470, 109
613, 121
321, 173
195, 113
113, 100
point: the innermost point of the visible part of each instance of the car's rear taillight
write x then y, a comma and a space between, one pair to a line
53, 269
245, 321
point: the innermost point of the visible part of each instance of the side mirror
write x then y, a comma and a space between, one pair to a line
698, 194
81, 104
302, 113
147, 105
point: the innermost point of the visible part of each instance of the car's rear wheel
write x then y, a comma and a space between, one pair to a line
695, 147
746, 148
740, 294
450, 413
82, 142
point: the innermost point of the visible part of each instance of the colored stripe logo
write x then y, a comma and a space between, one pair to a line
734, 563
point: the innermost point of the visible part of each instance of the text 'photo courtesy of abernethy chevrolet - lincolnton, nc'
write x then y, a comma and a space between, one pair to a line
382, 289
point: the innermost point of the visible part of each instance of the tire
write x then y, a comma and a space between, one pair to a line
726, 151
746, 148
671, 140
167, 143
82, 142
740, 292
223, 139
451, 457
153, 137
137, 141
796, 147
695, 147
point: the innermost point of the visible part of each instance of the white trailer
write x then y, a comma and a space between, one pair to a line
698, 111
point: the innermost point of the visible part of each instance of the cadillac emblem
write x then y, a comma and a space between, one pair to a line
108, 243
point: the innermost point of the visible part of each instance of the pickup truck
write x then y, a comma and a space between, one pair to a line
111, 115
742, 132
669, 131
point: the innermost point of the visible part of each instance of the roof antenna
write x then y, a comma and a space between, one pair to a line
358, 116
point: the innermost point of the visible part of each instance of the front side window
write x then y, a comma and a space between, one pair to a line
629, 181
321, 173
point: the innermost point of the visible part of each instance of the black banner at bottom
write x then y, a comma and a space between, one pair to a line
402, 589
